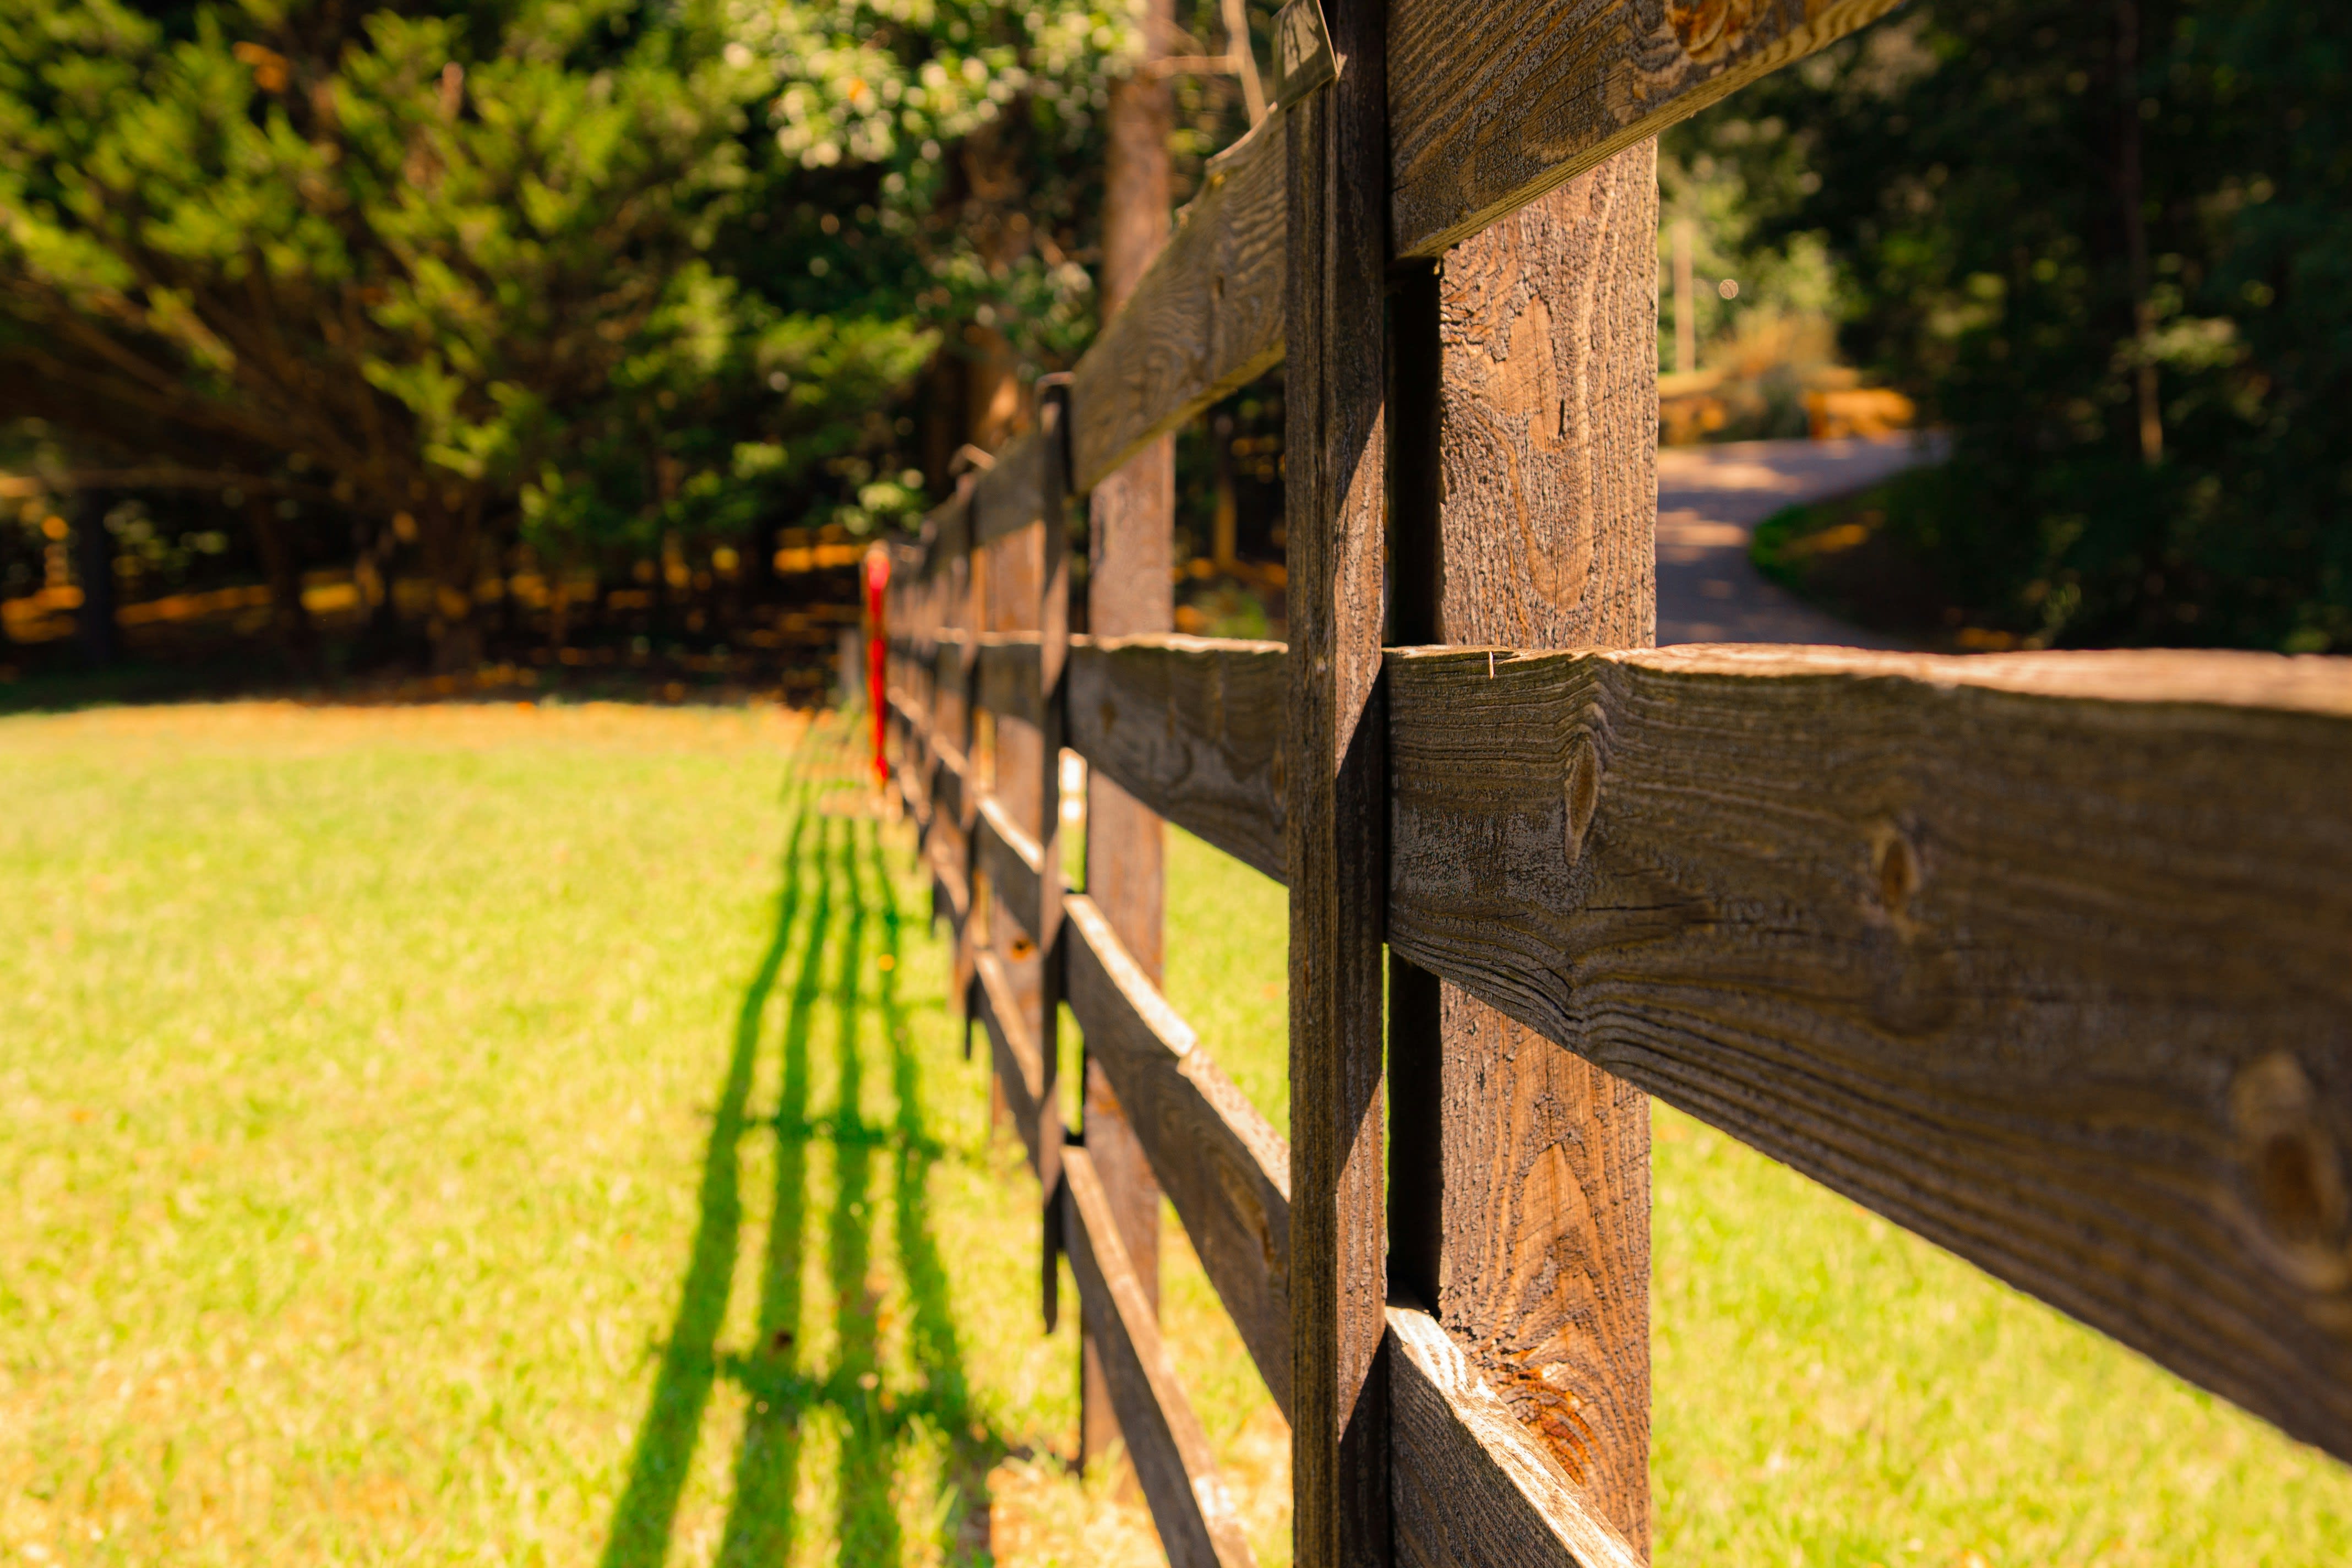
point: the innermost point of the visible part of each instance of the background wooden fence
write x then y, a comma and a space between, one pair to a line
2047, 957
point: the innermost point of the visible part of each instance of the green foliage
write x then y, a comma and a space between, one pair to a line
1730, 174
604, 271
2109, 247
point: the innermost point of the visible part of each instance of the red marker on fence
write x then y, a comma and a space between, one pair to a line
878, 579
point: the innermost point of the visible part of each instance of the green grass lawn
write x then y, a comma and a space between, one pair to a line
473, 1134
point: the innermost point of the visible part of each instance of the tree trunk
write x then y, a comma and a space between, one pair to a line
559, 611
2131, 195
289, 618
995, 404
1128, 590
373, 545
451, 539
510, 560
94, 563
755, 580
945, 427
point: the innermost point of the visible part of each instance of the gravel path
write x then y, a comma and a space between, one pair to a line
1710, 499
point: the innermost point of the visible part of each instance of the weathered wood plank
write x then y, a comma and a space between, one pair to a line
1223, 1166
1130, 547
1009, 859
1472, 1488
948, 704
1545, 1265
1053, 622
1005, 585
1547, 418
947, 531
1334, 502
1192, 728
1198, 1527
1206, 321
1019, 1072
951, 795
2041, 956
1008, 675
947, 870
1546, 331
1489, 109
1012, 493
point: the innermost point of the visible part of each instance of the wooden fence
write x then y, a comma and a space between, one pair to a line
2047, 957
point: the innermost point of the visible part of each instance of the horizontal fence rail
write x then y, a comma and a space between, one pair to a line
1223, 1167
1192, 728
1206, 319
2040, 956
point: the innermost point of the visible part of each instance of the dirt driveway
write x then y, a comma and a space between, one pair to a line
1710, 499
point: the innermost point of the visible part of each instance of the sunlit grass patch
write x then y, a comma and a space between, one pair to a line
543, 1137
488, 1135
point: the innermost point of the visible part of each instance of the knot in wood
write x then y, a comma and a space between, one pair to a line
1710, 29
1897, 867
1582, 791
2294, 1173
1587, 761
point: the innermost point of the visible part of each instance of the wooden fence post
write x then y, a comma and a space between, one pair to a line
1534, 1246
1053, 660
1128, 590
960, 614
1335, 828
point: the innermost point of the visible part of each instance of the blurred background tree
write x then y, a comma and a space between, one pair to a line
618, 297
603, 278
2108, 247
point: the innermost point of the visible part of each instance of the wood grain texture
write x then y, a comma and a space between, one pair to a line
1472, 1488
1053, 624
1206, 321
1223, 1166
1192, 727
952, 797
1012, 493
1128, 594
952, 675
1334, 500
1546, 537
1132, 517
1198, 1527
1010, 682
2040, 956
1489, 109
1547, 418
947, 861
1020, 1074
1544, 1270
946, 531
1009, 858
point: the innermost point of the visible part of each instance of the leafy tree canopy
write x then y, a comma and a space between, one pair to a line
594, 271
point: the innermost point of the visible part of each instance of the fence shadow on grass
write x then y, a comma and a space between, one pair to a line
834, 870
